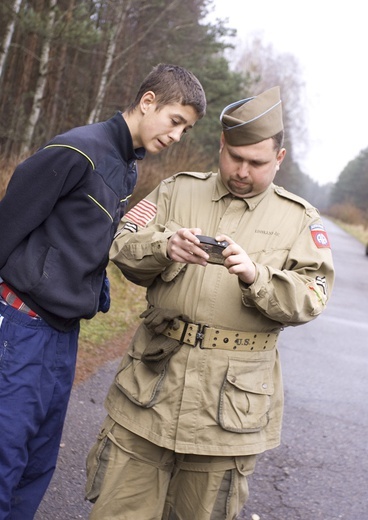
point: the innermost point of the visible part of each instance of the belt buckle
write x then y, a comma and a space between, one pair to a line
200, 334
182, 337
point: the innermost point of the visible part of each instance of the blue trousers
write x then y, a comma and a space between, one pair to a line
37, 366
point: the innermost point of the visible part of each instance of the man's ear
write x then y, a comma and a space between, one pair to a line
147, 101
281, 156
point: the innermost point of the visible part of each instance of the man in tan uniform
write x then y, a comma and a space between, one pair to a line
199, 393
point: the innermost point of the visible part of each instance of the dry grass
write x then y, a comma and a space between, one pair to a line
106, 336
127, 302
358, 231
7, 167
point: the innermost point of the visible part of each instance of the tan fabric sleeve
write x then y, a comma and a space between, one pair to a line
299, 292
143, 256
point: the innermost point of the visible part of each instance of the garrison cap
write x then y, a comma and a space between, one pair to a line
254, 119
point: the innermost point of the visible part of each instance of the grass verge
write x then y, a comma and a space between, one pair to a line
106, 336
358, 231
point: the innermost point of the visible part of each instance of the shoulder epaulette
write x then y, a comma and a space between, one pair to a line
197, 175
291, 196
72, 148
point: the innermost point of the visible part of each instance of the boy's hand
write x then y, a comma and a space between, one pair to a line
183, 247
237, 261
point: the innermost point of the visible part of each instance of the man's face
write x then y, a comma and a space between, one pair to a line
248, 170
160, 128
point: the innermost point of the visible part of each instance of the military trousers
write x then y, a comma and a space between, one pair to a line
129, 477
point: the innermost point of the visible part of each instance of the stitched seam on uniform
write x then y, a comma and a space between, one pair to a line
72, 148
136, 456
126, 198
100, 206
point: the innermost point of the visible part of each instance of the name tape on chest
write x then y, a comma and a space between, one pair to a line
319, 235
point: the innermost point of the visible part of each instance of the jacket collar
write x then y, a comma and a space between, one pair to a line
119, 133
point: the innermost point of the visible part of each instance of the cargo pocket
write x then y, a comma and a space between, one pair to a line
245, 396
97, 461
239, 490
139, 383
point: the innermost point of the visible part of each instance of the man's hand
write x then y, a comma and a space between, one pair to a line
183, 247
237, 261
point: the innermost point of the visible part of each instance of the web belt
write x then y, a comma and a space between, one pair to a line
222, 339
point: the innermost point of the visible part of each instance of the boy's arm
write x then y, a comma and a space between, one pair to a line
33, 191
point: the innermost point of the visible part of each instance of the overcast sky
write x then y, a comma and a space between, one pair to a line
330, 41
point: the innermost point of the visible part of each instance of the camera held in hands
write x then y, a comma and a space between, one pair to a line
213, 249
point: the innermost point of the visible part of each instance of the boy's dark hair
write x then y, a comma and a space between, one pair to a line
173, 84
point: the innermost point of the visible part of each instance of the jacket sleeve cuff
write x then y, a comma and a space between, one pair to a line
172, 269
251, 292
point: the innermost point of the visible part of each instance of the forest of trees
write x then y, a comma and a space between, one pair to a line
65, 63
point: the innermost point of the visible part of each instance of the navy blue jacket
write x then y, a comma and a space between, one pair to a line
59, 216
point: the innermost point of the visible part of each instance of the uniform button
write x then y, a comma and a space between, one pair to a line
264, 386
233, 379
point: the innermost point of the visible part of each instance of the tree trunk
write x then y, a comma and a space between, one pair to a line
41, 82
8, 37
61, 63
111, 48
107, 76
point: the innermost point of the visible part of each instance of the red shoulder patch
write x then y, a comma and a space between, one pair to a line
319, 235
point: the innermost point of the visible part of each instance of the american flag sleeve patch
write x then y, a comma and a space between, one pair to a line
142, 213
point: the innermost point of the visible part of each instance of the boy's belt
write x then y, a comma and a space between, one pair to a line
221, 339
12, 299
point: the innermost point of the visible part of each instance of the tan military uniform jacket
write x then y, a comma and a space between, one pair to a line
217, 402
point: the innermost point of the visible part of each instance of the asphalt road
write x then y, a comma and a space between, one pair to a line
320, 470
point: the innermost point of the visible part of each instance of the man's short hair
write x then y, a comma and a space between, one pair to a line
173, 84
278, 140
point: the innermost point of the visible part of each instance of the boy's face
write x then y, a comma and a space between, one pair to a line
160, 128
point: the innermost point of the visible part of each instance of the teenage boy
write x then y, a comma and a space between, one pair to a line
58, 218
